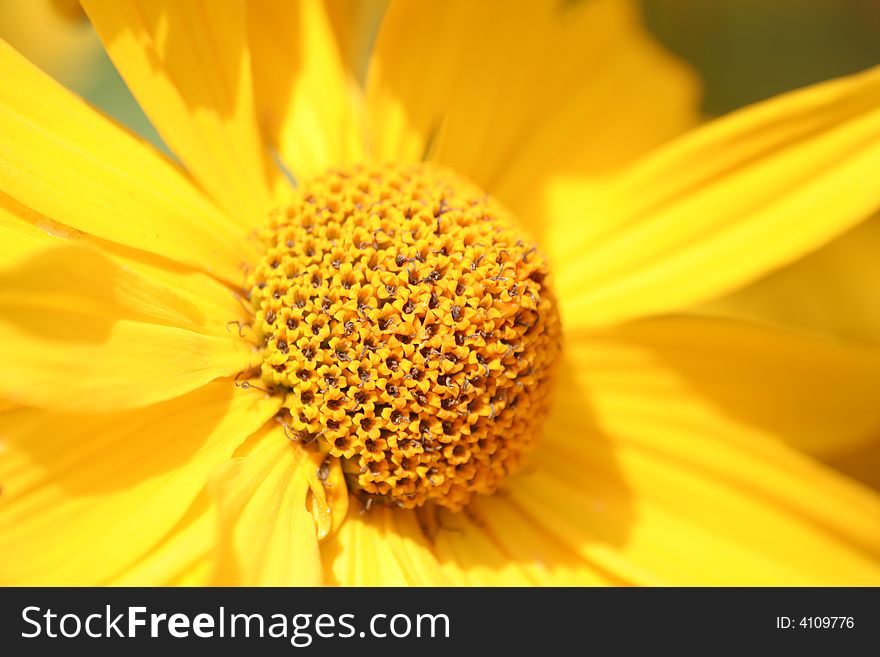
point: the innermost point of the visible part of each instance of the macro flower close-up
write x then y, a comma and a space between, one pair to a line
440, 292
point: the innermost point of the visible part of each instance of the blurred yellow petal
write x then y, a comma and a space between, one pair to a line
360, 554
81, 333
220, 312
721, 206
697, 527
195, 574
88, 363
306, 91
85, 496
63, 160
19, 238
546, 559
385, 547
76, 277
645, 477
188, 64
515, 94
466, 548
832, 291
862, 464
266, 533
355, 23
491, 544
51, 35
179, 555
815, 394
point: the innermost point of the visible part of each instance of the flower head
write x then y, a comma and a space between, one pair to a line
214, 376
411, 329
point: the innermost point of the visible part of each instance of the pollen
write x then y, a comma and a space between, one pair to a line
411, 327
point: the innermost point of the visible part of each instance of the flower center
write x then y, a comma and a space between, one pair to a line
412, 328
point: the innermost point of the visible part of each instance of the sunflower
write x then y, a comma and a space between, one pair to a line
435, 328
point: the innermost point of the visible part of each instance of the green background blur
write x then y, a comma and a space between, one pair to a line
747, 50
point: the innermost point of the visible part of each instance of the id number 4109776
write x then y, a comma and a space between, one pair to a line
815, 622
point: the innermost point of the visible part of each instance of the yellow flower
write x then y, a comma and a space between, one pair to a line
146, 440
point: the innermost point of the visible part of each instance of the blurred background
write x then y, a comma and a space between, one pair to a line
747, 50
744, 50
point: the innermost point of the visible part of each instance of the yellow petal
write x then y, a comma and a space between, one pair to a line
81, 333
267, 535
53, 37
306, 91
196, 574
463, 545
492, 544
76, 277
355, 23
180, 555
64, 161
862, 464
385, 547
188, 554
721, 206
19, 238
83, 363
831, 292
646, 476
515, 94
544, 558
815, 394
85, 496
360, 555
215, 309
329, 503
188, 64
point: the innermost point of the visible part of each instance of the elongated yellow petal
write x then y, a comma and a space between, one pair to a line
391, 547
188, 64
213, 308
467, 548
646, 476
74, 277
182, 557
189, 554
19, 238
515, 94
196, 574
415, 550
306, 90
81, 333
63, 160
722, 206
53, 37
86, 496
813, 393
75, 362
361, 554
267, 535
492, 544
546, 559
862, 464
355, 23
832, 291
